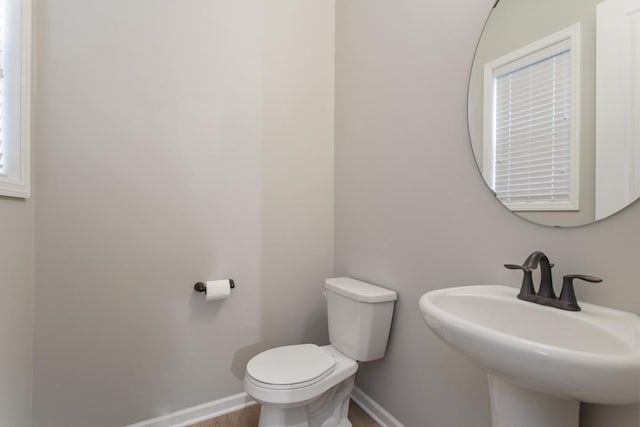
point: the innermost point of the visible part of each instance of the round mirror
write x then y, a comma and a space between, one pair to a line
553, 106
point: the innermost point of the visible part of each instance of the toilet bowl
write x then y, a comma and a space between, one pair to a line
301, 385
310, 386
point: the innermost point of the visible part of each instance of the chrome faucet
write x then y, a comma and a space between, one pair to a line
546, 294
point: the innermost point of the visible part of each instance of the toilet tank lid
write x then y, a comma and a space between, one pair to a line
359, 291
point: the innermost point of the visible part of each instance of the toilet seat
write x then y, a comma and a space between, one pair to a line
290, 367
298, 393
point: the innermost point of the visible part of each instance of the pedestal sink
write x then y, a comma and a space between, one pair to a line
541, 361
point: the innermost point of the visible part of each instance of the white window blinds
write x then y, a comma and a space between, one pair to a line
2, 103
531, 121
15, 97
533, 132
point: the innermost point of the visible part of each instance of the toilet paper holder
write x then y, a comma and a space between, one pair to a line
202, 287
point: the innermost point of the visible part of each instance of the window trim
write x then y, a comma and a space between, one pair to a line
20, 186
545, 47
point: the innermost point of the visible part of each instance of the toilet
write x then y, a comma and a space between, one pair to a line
310, 386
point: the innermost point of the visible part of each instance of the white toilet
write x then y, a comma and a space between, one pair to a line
310, 386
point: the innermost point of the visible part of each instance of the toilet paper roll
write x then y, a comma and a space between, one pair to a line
217, 289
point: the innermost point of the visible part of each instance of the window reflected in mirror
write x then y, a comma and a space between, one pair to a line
553, 107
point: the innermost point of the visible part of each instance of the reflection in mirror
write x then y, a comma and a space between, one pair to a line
545, 147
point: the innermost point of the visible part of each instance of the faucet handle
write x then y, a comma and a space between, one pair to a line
516, 267
567, 298
569, 278
522, 267
527, 292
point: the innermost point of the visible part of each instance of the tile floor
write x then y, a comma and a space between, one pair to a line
248, 417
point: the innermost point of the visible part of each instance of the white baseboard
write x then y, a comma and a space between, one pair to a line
217, 408
375, 411
196, 414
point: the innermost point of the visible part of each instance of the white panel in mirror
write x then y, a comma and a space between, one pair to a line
617, 105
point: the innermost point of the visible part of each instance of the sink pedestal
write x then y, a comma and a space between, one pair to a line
515, 406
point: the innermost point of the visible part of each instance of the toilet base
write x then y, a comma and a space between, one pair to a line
330, 409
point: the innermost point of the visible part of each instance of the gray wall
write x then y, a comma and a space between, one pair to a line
177, 141
413, 214
16, 312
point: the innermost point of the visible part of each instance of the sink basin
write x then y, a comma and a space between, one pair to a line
592, 355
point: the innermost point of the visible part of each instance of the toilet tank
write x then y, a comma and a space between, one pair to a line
359, 316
